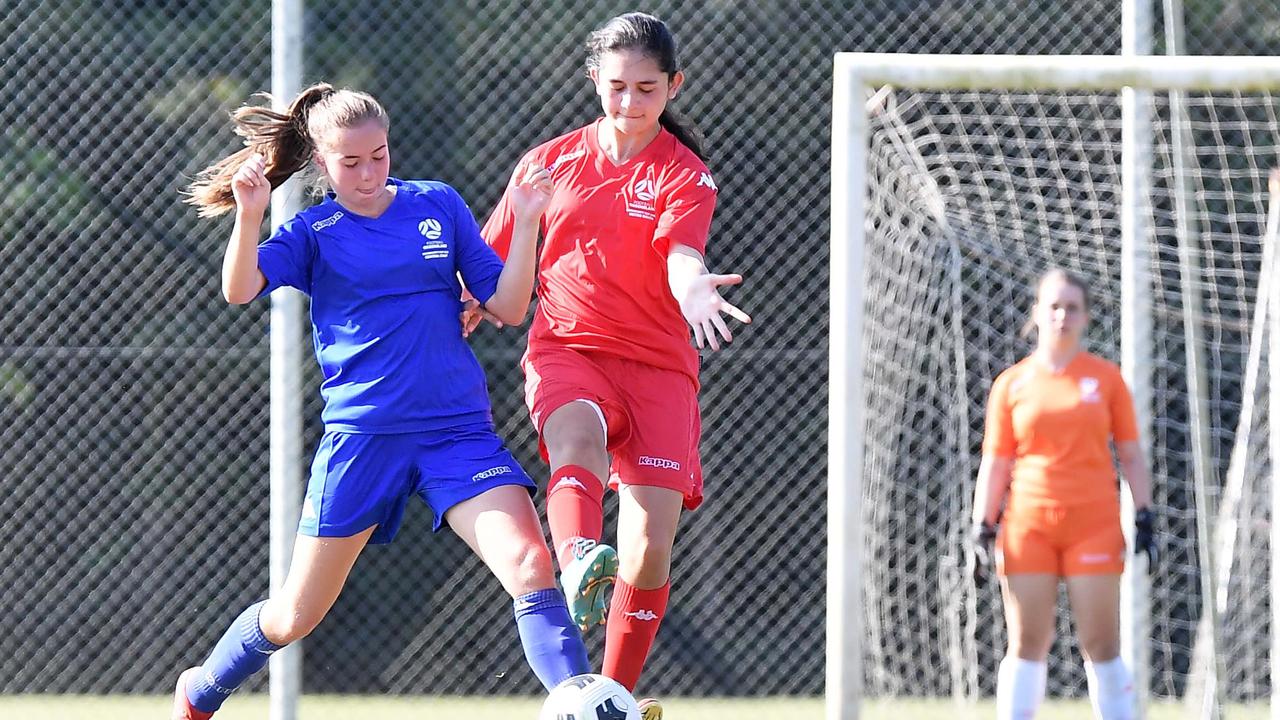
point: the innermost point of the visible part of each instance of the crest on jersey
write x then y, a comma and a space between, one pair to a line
1089, 390
640, 199
430, 229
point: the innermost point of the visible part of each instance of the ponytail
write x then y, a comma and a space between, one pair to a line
685, 131
287, 140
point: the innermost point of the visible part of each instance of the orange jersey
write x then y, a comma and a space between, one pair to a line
1057, 426
602, 271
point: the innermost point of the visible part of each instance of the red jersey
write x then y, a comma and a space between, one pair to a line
602, 272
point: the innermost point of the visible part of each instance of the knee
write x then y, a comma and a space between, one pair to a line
1030, 645
644, 563
1099, 647
284, 622
575, 445
530, 570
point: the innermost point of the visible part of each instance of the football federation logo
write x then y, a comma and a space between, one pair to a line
644, 190
430, 229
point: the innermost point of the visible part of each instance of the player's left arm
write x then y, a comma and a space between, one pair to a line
685, 222
698, 292
1124, 432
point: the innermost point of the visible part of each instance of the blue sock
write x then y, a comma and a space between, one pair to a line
242, 651
552, 644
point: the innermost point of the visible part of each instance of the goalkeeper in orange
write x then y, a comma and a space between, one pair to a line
1047, 463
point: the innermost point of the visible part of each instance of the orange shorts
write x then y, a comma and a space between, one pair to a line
651, 414
1061, 540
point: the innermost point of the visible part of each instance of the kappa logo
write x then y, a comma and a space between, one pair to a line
569, 481
430, 229
646, 615
491, 472
565, 158
704, 180
1089, 390
664, 463
327, 222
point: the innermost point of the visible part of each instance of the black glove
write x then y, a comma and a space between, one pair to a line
984, 549
1144, 535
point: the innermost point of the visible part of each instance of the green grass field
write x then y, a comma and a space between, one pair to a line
321, 707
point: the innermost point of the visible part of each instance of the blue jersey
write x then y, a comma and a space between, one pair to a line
385, 307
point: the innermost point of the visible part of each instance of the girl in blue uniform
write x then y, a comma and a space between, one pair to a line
406, 406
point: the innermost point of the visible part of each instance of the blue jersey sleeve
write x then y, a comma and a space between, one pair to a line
285, 258
477, 262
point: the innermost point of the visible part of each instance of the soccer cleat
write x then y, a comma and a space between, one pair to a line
650, 709
585, 581
182, 709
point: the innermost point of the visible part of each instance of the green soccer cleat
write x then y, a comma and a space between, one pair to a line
650, 709
585, 581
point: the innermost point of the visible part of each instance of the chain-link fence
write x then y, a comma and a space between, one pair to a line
133, 402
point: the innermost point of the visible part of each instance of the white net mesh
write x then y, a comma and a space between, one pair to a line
972, 195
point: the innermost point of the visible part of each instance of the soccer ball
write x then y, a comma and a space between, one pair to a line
589, 697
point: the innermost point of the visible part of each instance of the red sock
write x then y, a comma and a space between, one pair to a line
634, 616
575, 509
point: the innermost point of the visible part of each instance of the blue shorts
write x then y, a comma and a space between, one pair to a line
358, 480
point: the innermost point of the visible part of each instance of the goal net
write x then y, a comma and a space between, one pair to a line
972, 177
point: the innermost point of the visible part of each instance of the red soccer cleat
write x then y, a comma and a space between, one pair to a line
182, 709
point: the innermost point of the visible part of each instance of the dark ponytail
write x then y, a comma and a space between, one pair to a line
287, 140
649, 35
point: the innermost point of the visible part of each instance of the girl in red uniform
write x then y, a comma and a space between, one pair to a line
611, 377
1050, 420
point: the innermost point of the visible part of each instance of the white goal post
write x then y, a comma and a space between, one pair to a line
955, 176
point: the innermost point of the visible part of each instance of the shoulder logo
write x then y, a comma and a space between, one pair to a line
566, 157
704, 180
430, 229
327, 222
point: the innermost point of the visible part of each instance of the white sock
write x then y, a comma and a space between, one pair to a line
1111, 690
1020, 688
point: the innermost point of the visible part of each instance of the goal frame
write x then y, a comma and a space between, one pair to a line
856, 75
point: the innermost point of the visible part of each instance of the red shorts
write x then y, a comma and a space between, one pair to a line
1062, 540
651, 413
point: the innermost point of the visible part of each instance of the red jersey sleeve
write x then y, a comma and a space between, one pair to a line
1124, 420
998, 439
689, 200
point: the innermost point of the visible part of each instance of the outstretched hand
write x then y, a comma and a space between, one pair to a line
703, 309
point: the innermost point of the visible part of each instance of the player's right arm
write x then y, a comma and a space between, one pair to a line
242, 280
998, 447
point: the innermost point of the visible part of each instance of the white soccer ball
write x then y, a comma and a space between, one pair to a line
589, 697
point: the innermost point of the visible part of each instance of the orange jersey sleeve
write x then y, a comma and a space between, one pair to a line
1124, 419
998, 439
